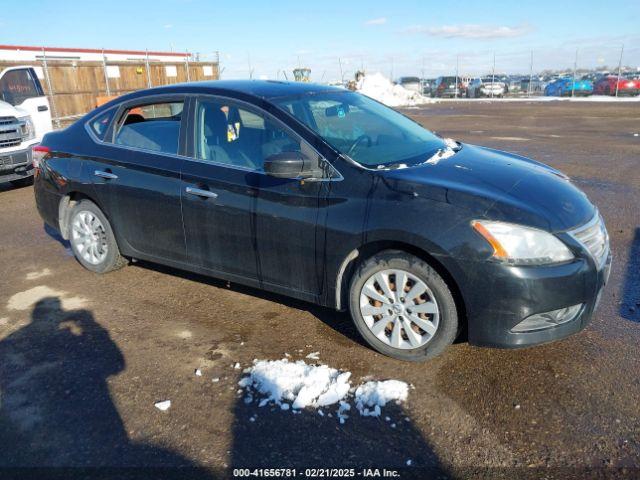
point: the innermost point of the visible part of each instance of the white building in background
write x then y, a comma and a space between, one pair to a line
22, 53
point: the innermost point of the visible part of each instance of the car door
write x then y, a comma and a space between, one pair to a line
239, 220
20, 87
136, 175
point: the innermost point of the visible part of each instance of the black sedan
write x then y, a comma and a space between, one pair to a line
330, 197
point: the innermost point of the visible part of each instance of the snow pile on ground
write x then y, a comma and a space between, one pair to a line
297, 385
372, 396
378, 87
296, 382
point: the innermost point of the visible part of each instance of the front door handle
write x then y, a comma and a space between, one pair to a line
199, 192
42, 108
107, 175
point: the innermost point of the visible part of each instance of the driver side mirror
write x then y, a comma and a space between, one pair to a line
291, 165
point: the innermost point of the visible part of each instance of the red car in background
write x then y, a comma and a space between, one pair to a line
607, 86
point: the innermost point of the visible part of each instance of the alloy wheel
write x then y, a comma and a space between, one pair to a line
89, 237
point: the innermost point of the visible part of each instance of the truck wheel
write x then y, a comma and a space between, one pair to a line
402, 307
92, 239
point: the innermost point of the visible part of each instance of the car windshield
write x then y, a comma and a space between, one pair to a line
367, 131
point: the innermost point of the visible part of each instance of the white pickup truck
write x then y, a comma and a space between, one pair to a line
24, 119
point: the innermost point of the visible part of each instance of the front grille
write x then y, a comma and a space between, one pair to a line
10, 132
594, 237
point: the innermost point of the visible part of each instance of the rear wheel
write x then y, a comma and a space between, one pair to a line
92, 239
402, 307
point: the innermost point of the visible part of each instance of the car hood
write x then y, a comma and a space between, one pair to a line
499, 185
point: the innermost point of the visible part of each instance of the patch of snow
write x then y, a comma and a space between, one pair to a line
237, 366
313, 356
198, 372
377, 394
380, 88
163, 405
215, 380
298, 385
296, 382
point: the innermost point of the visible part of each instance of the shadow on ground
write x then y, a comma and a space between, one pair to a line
630, 304
283, 439
56, 410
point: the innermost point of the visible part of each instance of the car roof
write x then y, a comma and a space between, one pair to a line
266, 89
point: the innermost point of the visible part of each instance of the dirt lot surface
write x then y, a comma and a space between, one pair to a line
83, 358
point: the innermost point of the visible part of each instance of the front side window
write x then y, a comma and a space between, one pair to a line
230, 134
368, 132
154, 127
16, 86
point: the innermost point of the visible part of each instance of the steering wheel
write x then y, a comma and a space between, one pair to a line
358, 141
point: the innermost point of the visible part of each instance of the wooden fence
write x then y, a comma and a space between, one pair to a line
76, 87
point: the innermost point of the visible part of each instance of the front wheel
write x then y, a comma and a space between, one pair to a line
402, 307
92, 239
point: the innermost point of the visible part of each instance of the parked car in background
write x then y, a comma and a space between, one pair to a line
485, 87
533, 86
327, 196
625, 86
427, 85
448, 87
410, 83
513, 85
566, 87
24, 119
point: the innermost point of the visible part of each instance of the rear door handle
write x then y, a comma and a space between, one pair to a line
199, 192
107, 175
42, 108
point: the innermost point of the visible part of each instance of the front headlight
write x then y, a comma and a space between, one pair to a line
28, 130
519, 245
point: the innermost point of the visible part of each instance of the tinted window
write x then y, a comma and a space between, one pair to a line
229, 134
153, 127
100, 124
16, 86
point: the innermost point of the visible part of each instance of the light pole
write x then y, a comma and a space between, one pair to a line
619, 69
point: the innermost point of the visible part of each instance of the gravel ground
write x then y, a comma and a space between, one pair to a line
83, 358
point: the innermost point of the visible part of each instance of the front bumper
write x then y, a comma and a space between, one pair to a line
506, 295
16, 165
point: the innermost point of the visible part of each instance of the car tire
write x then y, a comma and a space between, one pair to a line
382, 336
23, 182
92, 240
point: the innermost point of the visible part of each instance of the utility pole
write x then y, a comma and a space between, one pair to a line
250, 69
530, 75
341, 74
106, 75
493, 74
619, 69
573, 82
455, 89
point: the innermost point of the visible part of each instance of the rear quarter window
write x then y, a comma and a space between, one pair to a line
100, 124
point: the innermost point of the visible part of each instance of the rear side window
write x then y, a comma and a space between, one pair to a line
154, 127
16, 86
100, 124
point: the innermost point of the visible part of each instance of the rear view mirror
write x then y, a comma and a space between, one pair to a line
337, 110
291, 165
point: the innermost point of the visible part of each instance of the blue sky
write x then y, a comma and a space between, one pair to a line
399, 38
